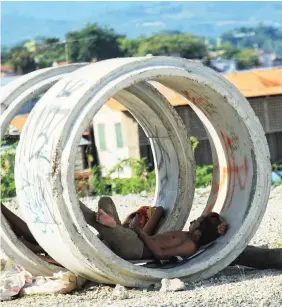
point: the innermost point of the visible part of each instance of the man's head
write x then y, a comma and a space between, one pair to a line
207, 228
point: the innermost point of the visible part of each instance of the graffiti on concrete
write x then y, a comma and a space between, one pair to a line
203, 104
236, 173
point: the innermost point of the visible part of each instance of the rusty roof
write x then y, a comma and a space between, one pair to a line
255, 83
19, 121
5, 68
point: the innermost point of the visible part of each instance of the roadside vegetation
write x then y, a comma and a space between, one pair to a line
102, 182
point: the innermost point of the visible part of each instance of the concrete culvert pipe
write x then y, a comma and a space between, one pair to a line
45, 162
13, 98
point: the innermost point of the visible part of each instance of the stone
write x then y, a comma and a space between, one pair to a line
172, 285
144, 194
120, 293
157, 286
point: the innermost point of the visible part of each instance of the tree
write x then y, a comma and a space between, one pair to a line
51, 40
7, 165
93, 42
264, 37
246, 59
129, 46
31, 46
51, 50
4, 55
185, 45
229, 50
21, 60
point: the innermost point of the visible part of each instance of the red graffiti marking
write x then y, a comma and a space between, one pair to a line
238, 173
230, 143
199, 102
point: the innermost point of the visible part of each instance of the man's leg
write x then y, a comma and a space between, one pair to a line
122, 241
107, 204
19, 227
21, 230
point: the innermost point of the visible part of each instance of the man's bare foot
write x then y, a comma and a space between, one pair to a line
103, 218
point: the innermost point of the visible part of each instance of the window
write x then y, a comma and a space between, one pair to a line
102, 139
119, 135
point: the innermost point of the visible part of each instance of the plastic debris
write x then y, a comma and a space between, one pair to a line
16, 280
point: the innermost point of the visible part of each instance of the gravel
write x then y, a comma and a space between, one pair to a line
234, 286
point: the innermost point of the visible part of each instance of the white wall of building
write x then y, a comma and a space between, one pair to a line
112, 154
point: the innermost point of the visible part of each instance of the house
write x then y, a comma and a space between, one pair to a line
262, 88
57, 64
113, 136
6, 71
266, 59
223, 65
116, 137
16, 127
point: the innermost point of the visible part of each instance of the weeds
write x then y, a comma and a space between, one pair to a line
8, 187
142, 176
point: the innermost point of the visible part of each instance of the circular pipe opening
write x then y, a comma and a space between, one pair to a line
14, 97
242, 154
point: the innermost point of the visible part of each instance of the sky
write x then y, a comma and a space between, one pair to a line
27, 19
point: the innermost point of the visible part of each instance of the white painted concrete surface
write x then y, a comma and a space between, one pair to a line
45, 159
13, 97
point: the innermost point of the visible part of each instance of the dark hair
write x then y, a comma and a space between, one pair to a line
208, 227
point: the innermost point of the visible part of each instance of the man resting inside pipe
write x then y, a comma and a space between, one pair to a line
134, 242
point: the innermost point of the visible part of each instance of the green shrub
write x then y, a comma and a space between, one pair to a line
194, 142
276, 167
277, 183
204, 175
142, 179
8, 187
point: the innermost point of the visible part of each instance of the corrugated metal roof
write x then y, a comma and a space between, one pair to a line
252, 83
19, 121
255, 83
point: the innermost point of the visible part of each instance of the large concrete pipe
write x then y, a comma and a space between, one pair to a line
13, 97
45, 162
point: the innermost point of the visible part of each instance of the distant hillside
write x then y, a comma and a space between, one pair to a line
262, 37
26, 20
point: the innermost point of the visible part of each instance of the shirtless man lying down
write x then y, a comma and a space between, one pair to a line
139, 245
134, 242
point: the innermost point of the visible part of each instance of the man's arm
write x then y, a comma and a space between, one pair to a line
153, 222
184, 249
